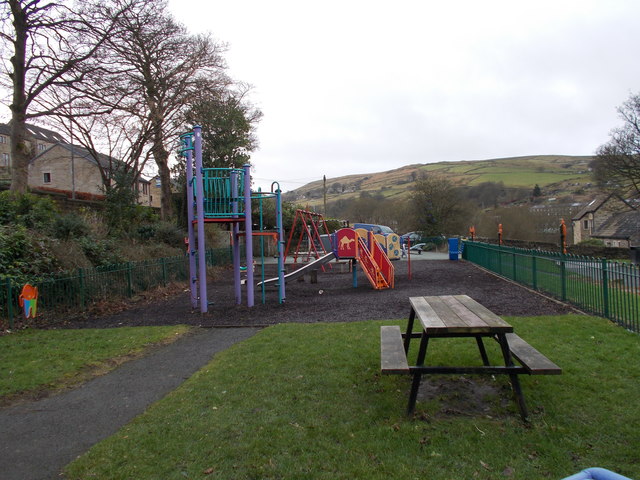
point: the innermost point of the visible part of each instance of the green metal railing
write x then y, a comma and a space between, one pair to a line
76, 291
223, 192
599, 286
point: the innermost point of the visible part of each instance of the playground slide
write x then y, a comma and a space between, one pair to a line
302, 270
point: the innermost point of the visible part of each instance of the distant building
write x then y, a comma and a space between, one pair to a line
62, 168
42, 137
612, 219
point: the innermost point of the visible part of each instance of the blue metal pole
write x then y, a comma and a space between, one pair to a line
248, 234
202, 260
354, 270
281, 287
193, 275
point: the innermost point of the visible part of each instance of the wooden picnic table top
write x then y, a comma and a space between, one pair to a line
456, 314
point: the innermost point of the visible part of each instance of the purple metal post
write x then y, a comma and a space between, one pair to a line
193, 275
235, 238
202, 260
248, 234
281, 293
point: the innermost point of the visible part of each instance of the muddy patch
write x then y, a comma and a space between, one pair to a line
472, 396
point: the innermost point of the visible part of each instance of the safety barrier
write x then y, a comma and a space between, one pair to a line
76, 291
598, 286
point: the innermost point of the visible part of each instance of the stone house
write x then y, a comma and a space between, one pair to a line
42, 137
72, 170
61, 168
612, 219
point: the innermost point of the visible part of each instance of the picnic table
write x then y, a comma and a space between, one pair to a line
459, 316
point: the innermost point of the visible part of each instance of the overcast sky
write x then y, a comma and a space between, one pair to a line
356, 86
362, 86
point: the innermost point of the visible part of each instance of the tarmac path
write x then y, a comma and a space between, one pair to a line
38, 439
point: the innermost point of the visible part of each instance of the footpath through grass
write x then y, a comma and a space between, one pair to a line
307, 402
35, 360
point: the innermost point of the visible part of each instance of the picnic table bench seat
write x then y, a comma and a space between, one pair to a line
393, 358
459, 316
531, 359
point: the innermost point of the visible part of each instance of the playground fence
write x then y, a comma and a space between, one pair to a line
599, 286
77, 291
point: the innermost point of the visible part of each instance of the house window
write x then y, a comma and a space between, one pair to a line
42, 147
46, 177
586, 224
3, 139
4, 160
145, 188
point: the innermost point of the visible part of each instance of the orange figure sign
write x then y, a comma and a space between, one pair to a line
29, 300
563, 236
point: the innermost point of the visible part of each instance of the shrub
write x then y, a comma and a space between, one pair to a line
70, 226
591, 242
22, 255
169, 233
28, 210
146, 232
100, 252
120, 203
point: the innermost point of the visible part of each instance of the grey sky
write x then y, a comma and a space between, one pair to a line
355, 86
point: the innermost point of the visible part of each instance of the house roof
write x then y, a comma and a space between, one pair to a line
38, 133
105, 160
624, 226
597, 202
591, 207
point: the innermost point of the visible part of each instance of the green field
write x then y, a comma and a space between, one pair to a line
557, 173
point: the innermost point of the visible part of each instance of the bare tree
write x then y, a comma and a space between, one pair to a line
438, 207
165, 68
617, 165
45, 45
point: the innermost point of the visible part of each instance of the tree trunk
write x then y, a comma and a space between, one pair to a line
161, 156
166, 200
20, 154
20, 150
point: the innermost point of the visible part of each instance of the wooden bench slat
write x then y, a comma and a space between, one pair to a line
530, 358
466, 315
444, 311
392, 356
425, 313
483, 312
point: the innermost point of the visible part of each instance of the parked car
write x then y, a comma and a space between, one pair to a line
413, 237
418, 247
377, 229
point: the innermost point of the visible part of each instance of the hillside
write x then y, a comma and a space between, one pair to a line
557, 175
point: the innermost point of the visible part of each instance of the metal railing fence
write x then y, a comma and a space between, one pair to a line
598, 286
76, 291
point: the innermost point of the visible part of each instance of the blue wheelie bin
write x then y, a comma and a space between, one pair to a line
454, 250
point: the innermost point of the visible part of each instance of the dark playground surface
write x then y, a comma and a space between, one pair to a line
333, 298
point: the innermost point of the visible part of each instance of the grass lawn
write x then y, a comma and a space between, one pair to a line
35, 360
303, 401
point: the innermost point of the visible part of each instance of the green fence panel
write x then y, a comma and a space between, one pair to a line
602, 287
76, 291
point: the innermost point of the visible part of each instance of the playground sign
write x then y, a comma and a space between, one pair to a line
29, 300
347, 243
